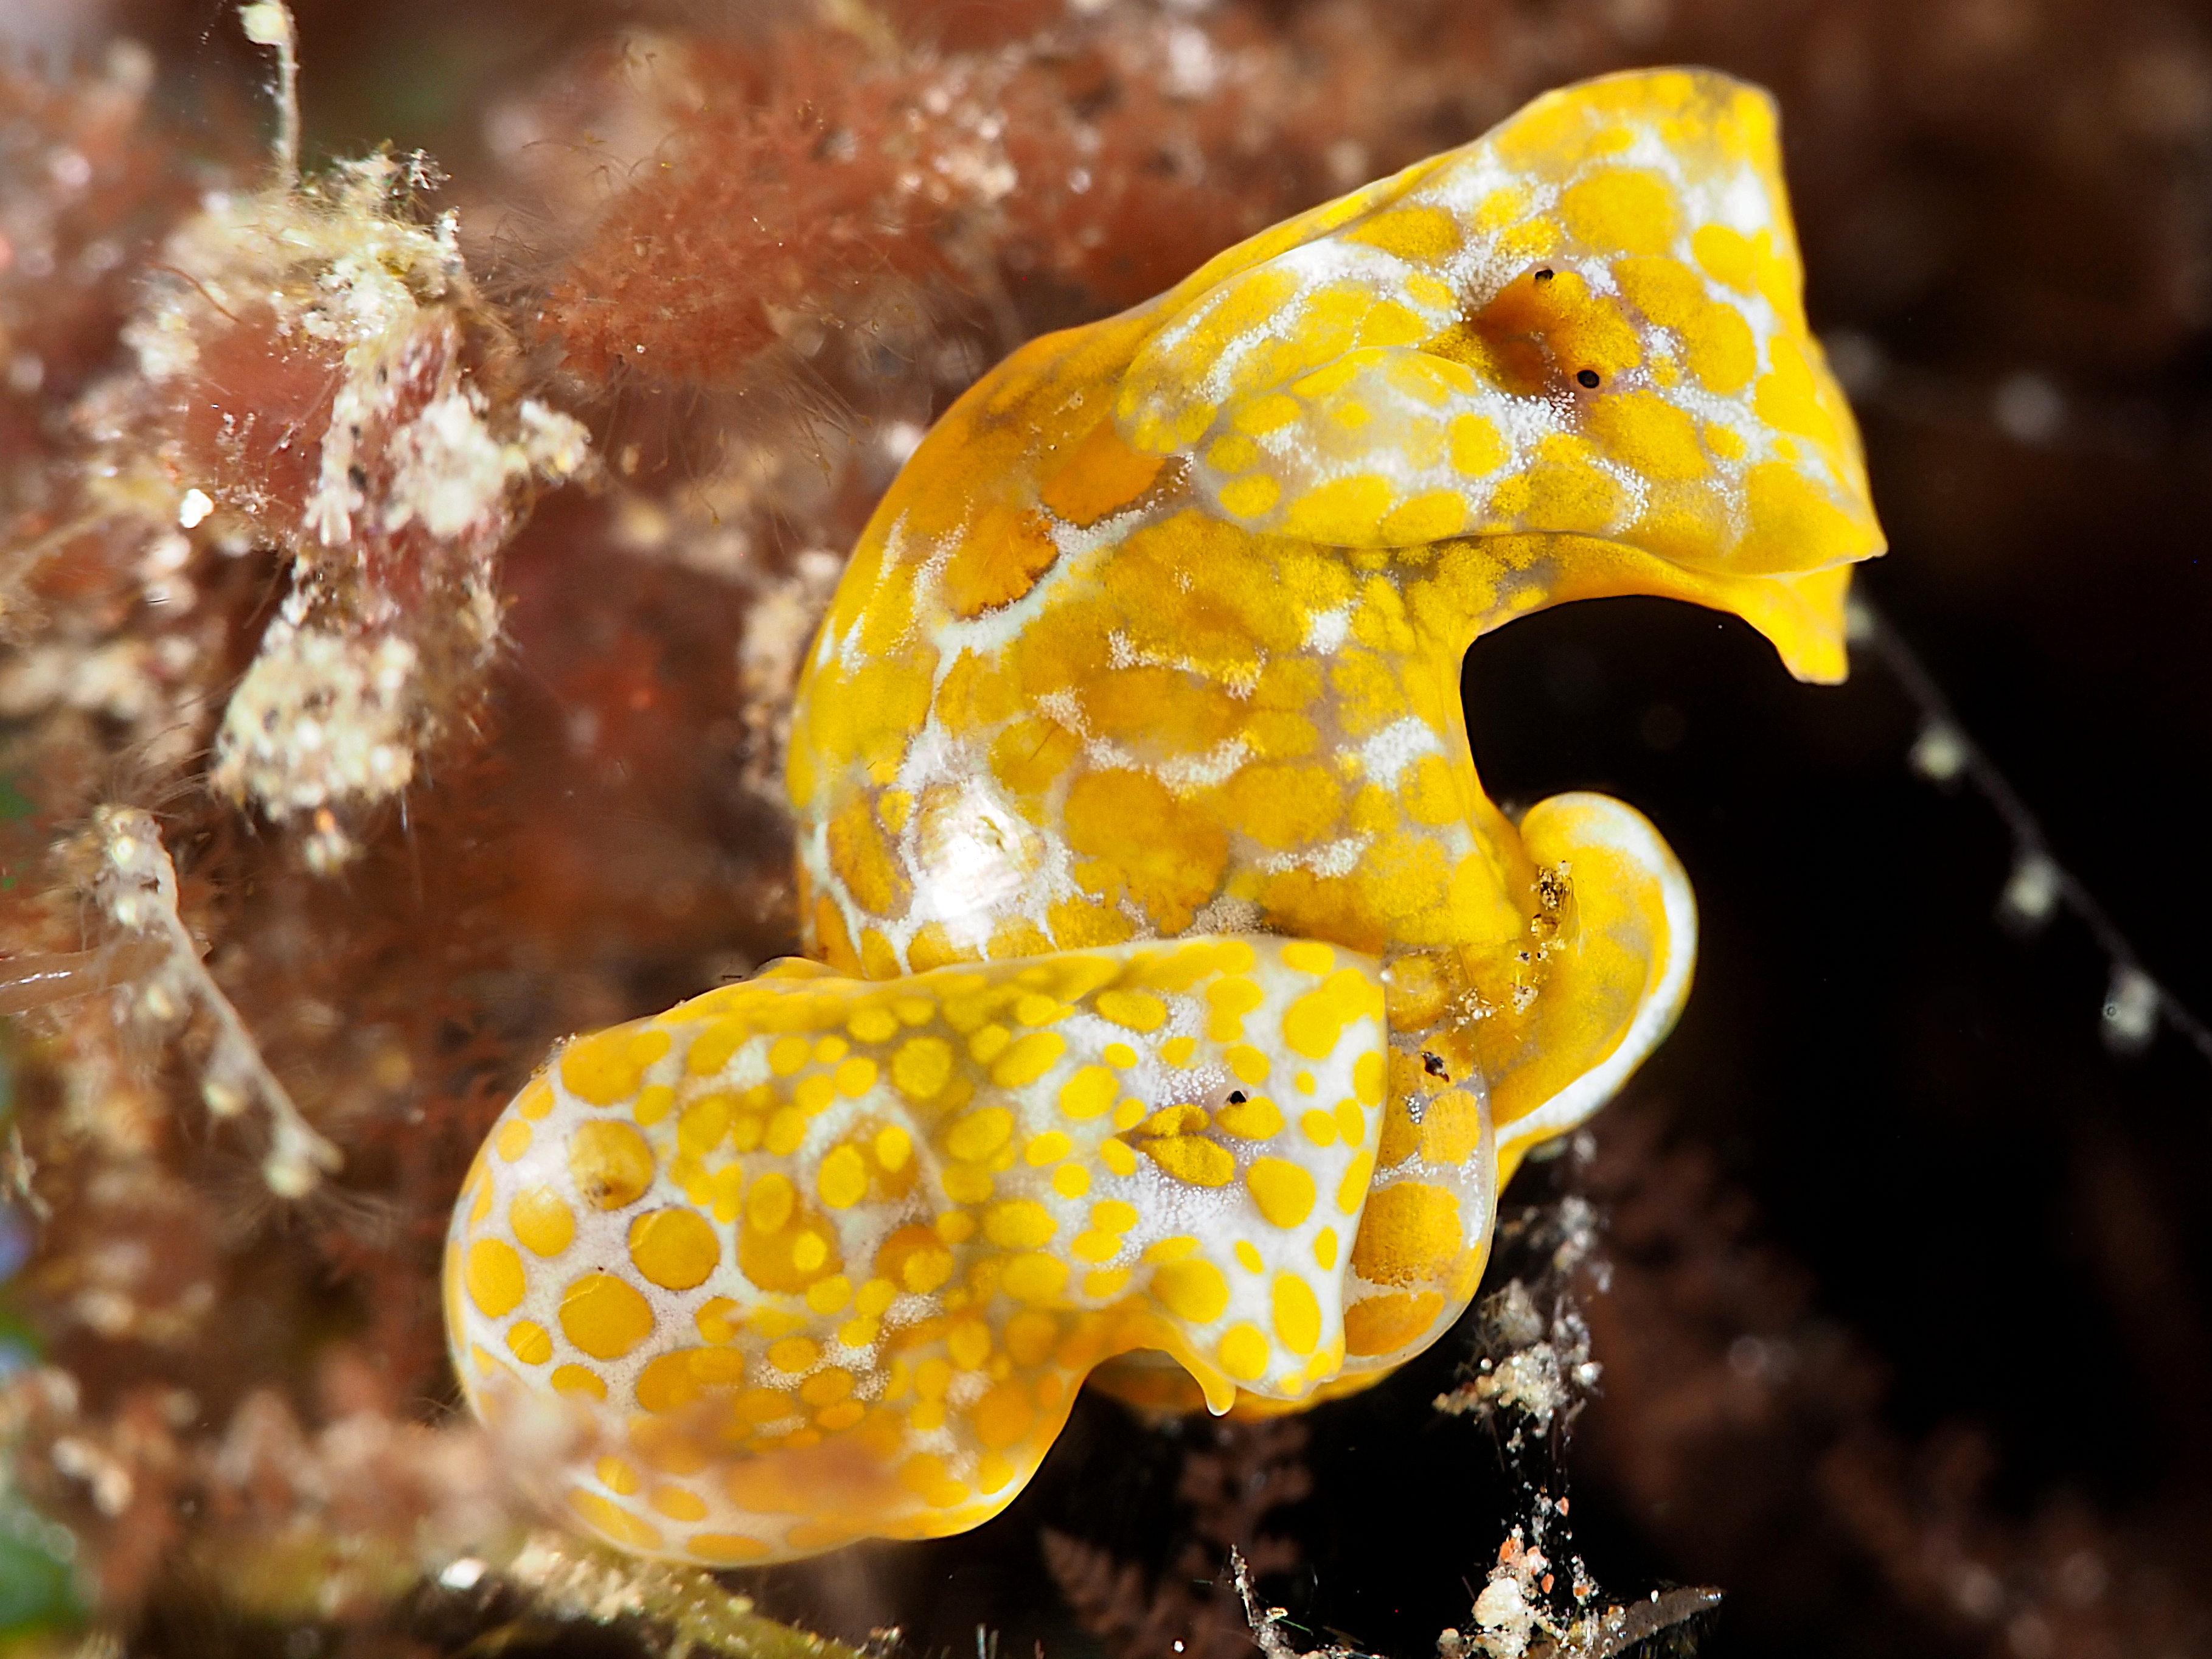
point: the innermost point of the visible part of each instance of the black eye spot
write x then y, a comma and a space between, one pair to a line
1587, 377
1434, 1066
1235, 1096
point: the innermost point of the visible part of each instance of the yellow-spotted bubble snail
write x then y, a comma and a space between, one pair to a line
1179, 1002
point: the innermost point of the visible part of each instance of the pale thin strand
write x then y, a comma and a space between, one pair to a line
268, 23
135, 884
2137, 1002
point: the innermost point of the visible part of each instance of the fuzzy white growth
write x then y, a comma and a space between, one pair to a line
1542, 1379
399, 384
320, 717
1536, 1369
1505, 1614
342, 697
1524, 1612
